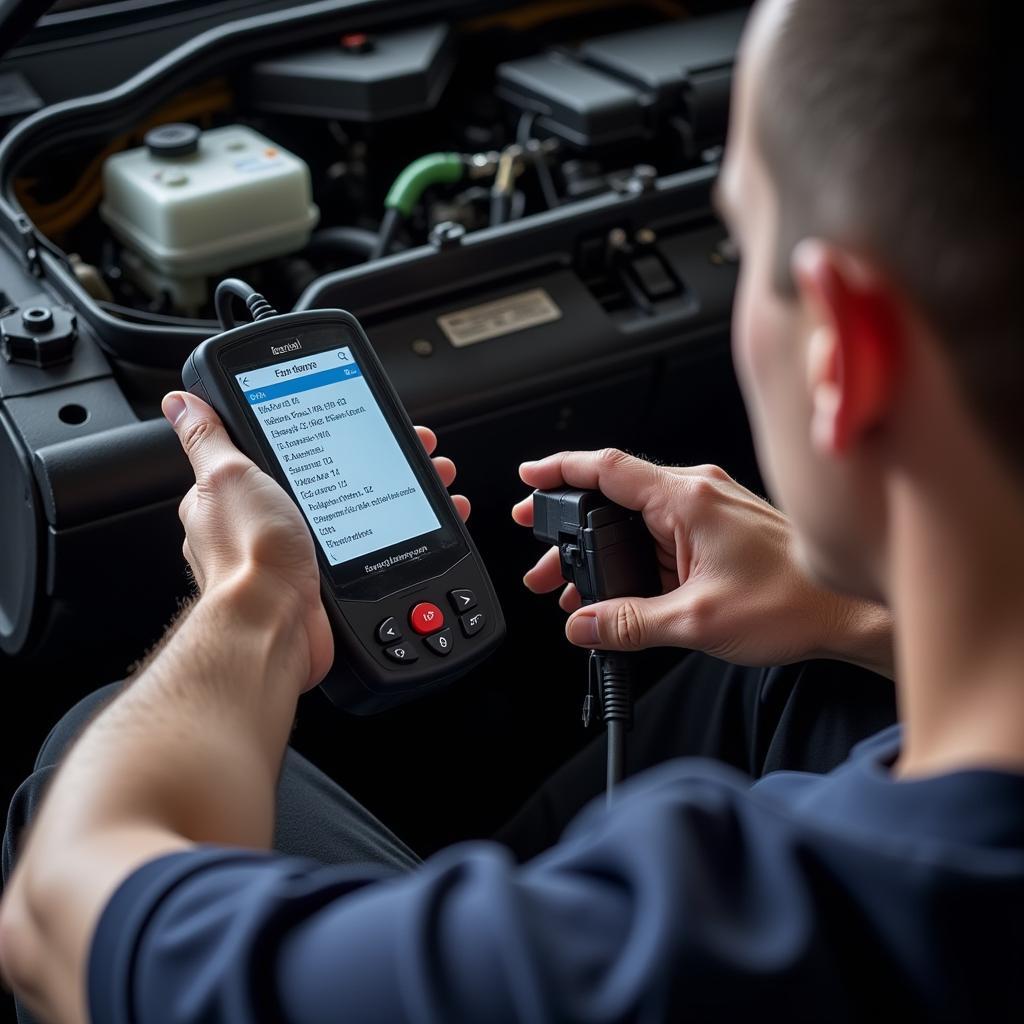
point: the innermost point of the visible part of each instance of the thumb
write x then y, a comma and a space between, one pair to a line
200, 432
623, 624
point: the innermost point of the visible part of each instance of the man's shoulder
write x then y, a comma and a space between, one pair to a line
859, 809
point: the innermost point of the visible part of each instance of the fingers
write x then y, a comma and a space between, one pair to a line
427, 438
546, 575
462, 506
570, 599
445, 469
201, 433
522, 511
618, 475
628, 624
628, 481
625, 479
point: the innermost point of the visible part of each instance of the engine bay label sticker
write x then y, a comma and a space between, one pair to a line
501, 316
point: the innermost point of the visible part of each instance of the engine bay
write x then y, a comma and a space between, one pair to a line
513, 199
351, 148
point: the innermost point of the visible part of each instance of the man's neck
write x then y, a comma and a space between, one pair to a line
956, 586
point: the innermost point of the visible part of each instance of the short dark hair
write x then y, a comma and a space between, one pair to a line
895, 126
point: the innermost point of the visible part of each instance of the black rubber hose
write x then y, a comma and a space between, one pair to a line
500, 206
524, 135
345, 241
145, 316
388, 228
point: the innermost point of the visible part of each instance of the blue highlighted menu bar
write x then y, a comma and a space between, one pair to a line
335, 375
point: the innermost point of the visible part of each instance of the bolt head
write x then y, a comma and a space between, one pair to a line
446, 234
617, 238
37, 318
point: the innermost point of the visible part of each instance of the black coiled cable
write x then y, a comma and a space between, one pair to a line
232, 288
614, 672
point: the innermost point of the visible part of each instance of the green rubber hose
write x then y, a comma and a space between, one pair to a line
432, 169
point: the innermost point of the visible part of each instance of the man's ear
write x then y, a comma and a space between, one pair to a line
854, 344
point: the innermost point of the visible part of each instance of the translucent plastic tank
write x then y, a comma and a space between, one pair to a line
190, 204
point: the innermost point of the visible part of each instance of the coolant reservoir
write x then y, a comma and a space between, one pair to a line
190, 204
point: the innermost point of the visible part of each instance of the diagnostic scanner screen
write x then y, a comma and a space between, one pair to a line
345, 467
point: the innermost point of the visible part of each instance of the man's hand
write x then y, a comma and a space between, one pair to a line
240, 525
190, 752
733, 584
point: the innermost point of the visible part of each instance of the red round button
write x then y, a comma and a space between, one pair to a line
426, 618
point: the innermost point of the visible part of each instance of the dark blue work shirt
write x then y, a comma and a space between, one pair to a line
698, 897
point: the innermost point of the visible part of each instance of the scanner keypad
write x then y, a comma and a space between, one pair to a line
388, 631
426, 618
402, 653
440, 643
431, 632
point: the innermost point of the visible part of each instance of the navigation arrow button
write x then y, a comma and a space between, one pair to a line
388, 631
462, 600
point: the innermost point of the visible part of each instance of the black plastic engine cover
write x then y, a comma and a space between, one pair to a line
616, 89
364, 78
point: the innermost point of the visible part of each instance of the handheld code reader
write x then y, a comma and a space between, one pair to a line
305, 397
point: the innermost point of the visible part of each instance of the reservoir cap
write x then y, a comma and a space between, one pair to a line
171, 140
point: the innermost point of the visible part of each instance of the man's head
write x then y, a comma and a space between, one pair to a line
873, 183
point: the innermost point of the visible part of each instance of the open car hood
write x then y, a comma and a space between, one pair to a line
16, 19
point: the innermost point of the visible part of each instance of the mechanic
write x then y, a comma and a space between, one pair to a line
871, 183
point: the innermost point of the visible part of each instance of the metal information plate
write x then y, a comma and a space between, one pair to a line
501, 316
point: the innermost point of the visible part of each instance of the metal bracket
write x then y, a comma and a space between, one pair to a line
29, 246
